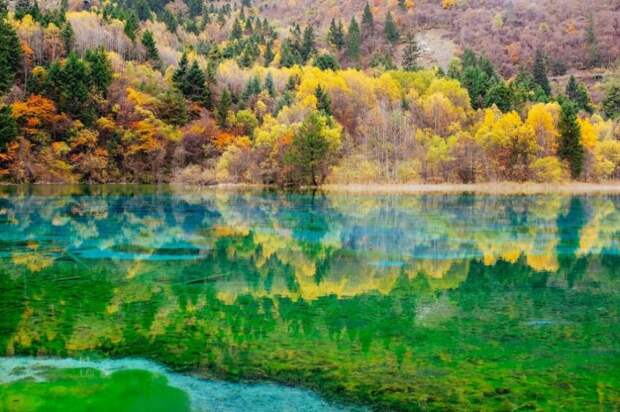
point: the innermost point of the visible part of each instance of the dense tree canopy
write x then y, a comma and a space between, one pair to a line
210, 92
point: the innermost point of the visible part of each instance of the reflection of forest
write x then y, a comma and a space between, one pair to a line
385, 299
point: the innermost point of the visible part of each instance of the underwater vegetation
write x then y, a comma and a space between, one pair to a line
425, 302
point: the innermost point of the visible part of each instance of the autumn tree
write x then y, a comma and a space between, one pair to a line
570, 148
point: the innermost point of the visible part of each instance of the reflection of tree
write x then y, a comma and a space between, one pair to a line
569, 230
253, 287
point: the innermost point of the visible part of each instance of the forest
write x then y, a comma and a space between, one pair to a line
264, 92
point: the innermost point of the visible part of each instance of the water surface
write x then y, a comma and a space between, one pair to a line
402, 302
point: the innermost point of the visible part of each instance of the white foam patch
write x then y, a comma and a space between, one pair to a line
205, 395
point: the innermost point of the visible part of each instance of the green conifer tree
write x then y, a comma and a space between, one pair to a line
539, 72
8, 127
152, 54
222, 109
354, 40
611, 104
390, 30
323, 102
570, 148
131, 25
368, 22
10, 55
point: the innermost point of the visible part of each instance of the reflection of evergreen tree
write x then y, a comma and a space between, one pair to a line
569, 232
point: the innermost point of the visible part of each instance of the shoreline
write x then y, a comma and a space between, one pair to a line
499, 188
480, 188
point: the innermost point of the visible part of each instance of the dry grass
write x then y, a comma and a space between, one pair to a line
489, 188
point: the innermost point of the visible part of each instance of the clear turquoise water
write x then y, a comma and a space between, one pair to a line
425, 302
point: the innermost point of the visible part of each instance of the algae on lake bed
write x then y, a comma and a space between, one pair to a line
426, 302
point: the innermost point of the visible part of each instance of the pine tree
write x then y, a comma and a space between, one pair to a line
152, 54
340, 36
268, 55
236, 32
247, 57
611, 104
68, 36
411, 54
308, 47
390, 30
570, 149
289, 54
143, 10
8, 127
323, 102
180, 74
368, 22
223, 107
499, 95
252, 88
195, 89
169, 20
22, 7
539, 72
131, 26
70, 86
10, 55
326, 62
353, 40
578, 94
335, 35
248, 29
100, 70
194, 7
309, 151
269, 86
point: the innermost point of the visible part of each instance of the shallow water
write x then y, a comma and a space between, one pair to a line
404, 302
105, 385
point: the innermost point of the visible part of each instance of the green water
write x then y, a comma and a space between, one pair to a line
427, 302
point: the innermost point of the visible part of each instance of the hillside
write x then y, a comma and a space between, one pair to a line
306, 92
506, 31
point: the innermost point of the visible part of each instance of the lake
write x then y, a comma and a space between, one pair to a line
132, 298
